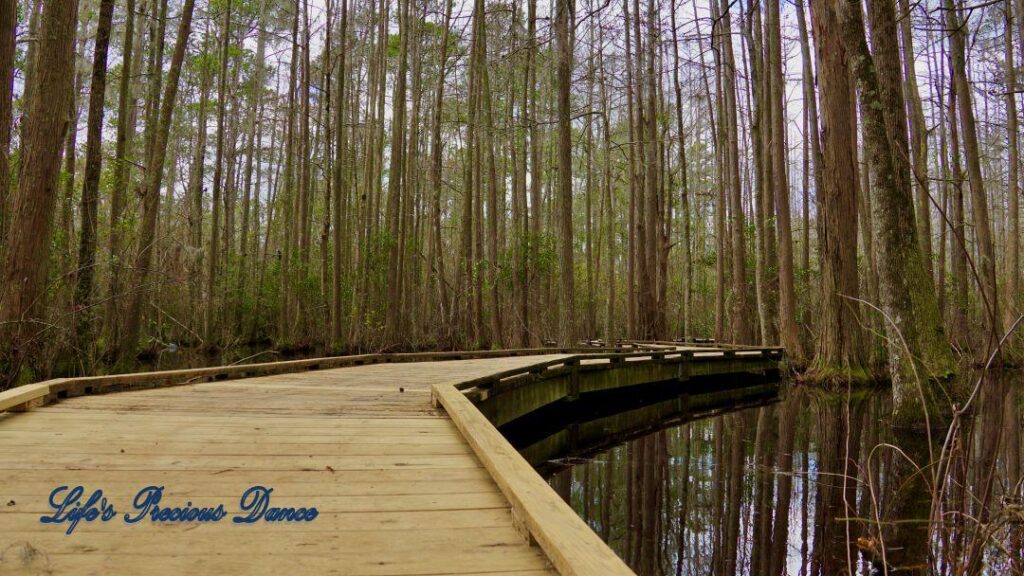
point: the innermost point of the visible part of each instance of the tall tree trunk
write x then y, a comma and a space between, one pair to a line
611, 330
632, 176
839, 354
755, 98
66, 224
466, 276
284, 323
721, 235
120, 182
8, 27
304, 192
533, 277
875, 324
340, 183
651, 212
788, 333
196, 192
591, 315
151, 186
255, 99
918, 137
1013, 191
740, 325
810, 99
212, 273
439, 282
93, 166
979, 202
397, 195
812, 149
765, 166
687, 279
493, 208
34, 8
567, 318
908, 298
958, 241
22, 293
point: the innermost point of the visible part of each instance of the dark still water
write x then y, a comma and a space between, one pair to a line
779, 479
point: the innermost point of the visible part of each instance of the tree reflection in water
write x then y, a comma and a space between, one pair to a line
815, 483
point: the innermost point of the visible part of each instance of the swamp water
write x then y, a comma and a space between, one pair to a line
758, 477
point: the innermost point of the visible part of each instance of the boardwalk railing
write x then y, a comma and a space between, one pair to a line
540, 513
30, 395
508, 380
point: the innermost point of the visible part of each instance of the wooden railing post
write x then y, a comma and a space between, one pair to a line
574, 378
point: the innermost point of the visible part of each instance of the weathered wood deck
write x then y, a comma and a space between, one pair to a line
402, 486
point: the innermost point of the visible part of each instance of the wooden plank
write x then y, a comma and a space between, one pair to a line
220, 447
488, 500
353, 435
17, 397
268, 423
267, 551
306, 437
377, 520
49, 476
95, 384
569, 543
288, 462
189, 485
466, 563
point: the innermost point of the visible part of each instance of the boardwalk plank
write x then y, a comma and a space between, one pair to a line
398, 489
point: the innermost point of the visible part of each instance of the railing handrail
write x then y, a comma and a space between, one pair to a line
40, 393
553, 368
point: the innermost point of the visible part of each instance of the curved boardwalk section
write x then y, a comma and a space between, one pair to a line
398, 489
406, 474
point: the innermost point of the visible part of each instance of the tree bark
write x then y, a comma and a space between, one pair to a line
397, 195
567, 318
93, 166
213, 255
979, 203
533, 277
340, 183
908, 298
740, 325
8, 27
958, 241
120, 182
687, 278
790, 337
22, 293
1013, 304
918, 137
839, 353
151, 186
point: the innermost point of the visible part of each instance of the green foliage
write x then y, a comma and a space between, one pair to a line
204, 62
235, 52
517, 260
394, 45
707, 259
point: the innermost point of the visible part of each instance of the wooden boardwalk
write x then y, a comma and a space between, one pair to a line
400, 488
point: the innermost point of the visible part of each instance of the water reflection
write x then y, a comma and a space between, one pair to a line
794, 481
